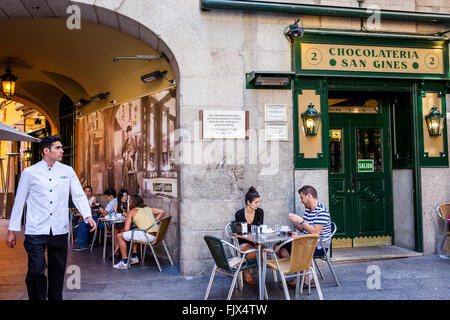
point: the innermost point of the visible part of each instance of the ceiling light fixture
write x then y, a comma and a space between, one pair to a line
81, 103
100, 96
153, 76
138, 57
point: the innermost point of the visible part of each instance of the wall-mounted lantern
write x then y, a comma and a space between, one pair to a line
311, 119
435, 122
8, 84
27, 155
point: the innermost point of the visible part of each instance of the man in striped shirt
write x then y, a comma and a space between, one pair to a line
316, 220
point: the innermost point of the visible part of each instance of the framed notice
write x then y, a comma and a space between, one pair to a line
275, 113
224, 124
277, 132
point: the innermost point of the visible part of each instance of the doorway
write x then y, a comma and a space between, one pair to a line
360, 169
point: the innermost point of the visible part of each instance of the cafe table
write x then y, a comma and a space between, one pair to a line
267, 239
113, 222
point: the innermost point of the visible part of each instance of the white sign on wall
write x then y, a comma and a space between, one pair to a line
275, 113
223, 124
277, 132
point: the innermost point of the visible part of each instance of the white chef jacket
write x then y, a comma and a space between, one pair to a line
46, 191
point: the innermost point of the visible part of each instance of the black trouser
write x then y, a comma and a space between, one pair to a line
36, 280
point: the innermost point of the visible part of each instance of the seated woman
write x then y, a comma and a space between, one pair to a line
253, 215
144, 218
122, 199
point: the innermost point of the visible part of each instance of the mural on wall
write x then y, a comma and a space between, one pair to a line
130, 146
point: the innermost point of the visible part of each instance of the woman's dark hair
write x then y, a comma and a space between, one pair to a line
136, 201
47, 142
251, 195
119, 200
88, 187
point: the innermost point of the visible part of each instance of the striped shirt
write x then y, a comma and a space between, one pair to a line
319, 216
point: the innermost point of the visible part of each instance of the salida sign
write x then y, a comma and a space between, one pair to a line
320, 56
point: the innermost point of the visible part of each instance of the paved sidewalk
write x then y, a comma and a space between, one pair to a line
425, 277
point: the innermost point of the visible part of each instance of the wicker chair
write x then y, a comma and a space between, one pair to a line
299, 262
159, 240
443, 212
222, 263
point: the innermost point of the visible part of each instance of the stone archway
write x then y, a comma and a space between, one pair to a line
108, 14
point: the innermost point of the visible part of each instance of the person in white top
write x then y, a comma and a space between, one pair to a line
45, 187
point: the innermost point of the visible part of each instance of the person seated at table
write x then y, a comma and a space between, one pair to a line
111, 207
83, 235
122, 198
253, 215
316, 220
144, 217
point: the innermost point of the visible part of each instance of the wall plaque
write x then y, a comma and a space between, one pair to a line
277, 132
275, 113
224, 124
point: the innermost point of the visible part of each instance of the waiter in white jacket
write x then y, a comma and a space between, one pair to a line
45, 187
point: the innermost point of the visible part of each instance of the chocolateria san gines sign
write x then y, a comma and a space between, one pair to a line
337, 57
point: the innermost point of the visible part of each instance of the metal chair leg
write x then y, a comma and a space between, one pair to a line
233, 284
210, 282
443, 243
303, 282
318, 269
129, 252
297, 283
332, 270
156, 258
316, 281
167, 252
286, 292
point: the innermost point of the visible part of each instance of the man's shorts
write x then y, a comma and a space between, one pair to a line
139, 236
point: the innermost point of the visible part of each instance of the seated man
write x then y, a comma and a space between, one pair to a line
83, 228
316, 220
144, 218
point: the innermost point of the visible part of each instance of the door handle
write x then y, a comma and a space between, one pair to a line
352, 177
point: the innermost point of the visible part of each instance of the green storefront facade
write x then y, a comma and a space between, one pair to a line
373, 93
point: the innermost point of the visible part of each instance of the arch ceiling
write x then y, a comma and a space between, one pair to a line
50, 60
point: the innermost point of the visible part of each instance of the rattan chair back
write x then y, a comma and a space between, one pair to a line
302, 252
163, 226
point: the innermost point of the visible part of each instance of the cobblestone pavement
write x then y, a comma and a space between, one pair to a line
426, 277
